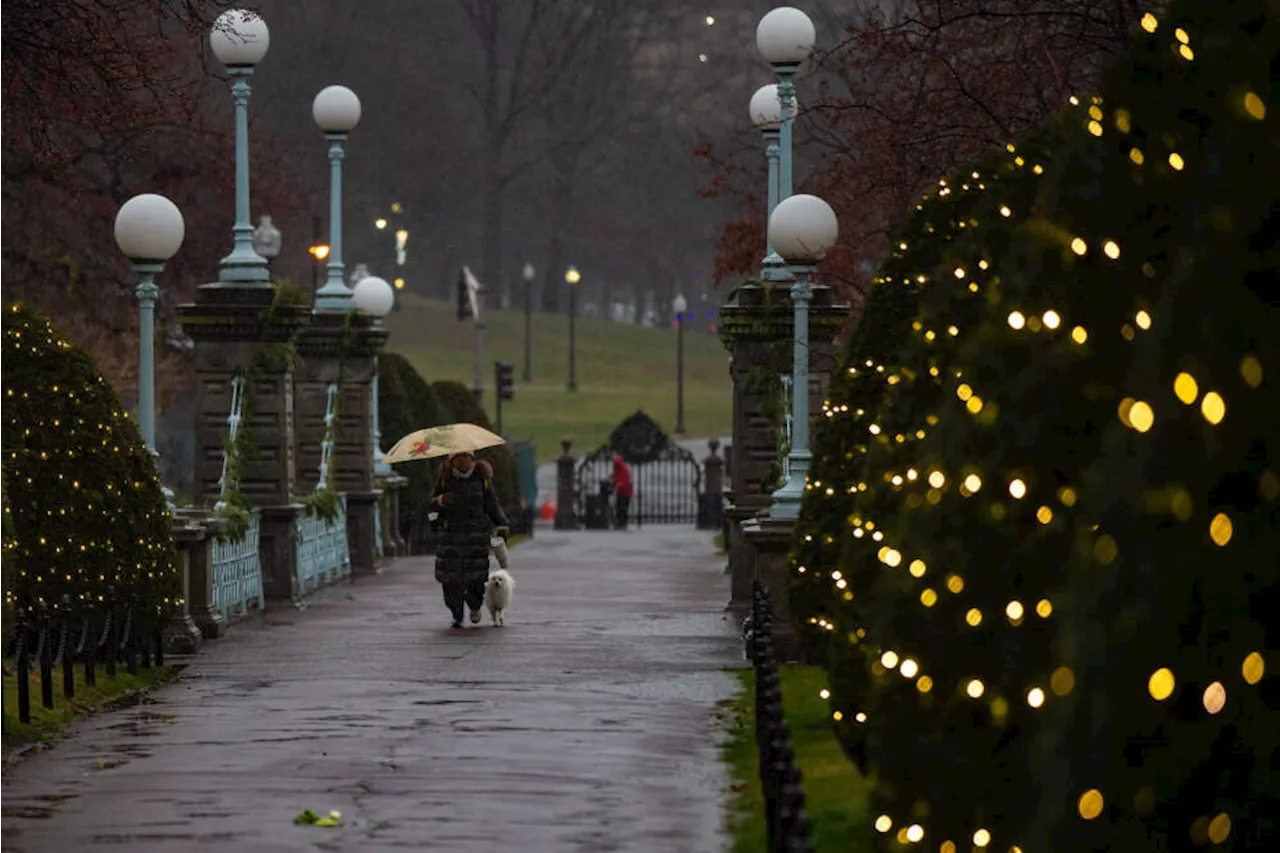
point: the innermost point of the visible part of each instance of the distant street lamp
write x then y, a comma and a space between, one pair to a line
572, 276
337, 111
785, 38
375, 297
680, 305
239, 39
266, 240
380, 223
528, 273
149, 231
803, 229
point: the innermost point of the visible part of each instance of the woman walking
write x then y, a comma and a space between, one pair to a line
469, 516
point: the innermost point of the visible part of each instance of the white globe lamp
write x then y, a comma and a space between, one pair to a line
149, 228
765, 108
239, 38
336, 109
785, 36
374, 296
802, 229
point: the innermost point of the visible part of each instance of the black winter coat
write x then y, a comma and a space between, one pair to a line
468, 516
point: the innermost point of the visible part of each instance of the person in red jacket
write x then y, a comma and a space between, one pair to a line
622, 491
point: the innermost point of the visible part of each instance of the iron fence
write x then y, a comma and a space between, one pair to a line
786, 824
106, 635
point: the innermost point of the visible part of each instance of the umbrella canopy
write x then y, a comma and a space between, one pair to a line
434, 442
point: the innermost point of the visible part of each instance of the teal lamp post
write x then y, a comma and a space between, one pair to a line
802, 229
785, 38
337, 111
149, 231
766, 114
240, 39
375, 297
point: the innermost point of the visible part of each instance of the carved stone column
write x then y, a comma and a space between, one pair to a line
208, 620
768, 542
182, 636
341, 347
392, 485
757, 325
566, 489
249, 327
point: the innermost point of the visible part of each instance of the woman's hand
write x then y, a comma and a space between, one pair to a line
443, 499
504, 533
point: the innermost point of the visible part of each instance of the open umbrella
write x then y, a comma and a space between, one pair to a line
434, 442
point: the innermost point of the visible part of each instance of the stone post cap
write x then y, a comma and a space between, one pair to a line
565, 444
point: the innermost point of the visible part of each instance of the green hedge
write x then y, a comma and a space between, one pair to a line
83, 499
1038, 510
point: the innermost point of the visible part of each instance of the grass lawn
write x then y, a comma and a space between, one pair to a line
45, 723
620, 368
835, 795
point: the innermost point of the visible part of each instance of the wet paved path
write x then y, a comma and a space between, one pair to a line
587, 724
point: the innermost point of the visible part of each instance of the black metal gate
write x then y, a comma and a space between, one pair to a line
666, 478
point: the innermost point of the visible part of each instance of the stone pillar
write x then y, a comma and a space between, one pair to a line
566, 489
393, 543
249, 327
341, 347
757, 325
182, 636
768, 541
208, 620
711, 511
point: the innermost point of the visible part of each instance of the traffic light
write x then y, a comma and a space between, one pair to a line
464, 297
505, 383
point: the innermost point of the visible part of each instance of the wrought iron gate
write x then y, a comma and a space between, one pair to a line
666, 478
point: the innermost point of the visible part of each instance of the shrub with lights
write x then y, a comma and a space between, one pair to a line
83, 498
1049, 555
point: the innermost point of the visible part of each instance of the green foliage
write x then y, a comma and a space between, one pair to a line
8, 547
1023, 507
406, 403
48, 723
83, 496
460, 401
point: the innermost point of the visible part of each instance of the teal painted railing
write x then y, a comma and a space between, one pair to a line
377, 527
237, 571
323, 552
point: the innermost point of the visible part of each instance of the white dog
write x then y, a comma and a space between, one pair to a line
498, 592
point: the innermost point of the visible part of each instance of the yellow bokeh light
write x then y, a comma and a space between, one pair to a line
917, 568
1067, 495
955, 584
1095, 112
1181, 35
1079, 246
1254, 106
1004, 208
1013, 610
1044, 515
1143, 319
947, 847
937, 479
973, 617
1105, 550
1215, 697
1062, 681
1221, 529
1035, 697
824, 693
1253, 668
1213, 407
1018, 489
928, 598
915, 833
1185, 388
973, 482
1044, 608
1112, 249
909, 668
1149, 22
1095, 128
1141, 417
1079, 335
1161, 683
1220, 828
1090, 804
975, 689
959, 272
889, 659
1016, 320
884, 823
924, 684
964, 392
1251, 371
1136, 156
974, 405
981, 838
1176, 161
1187, 53
1052, 319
